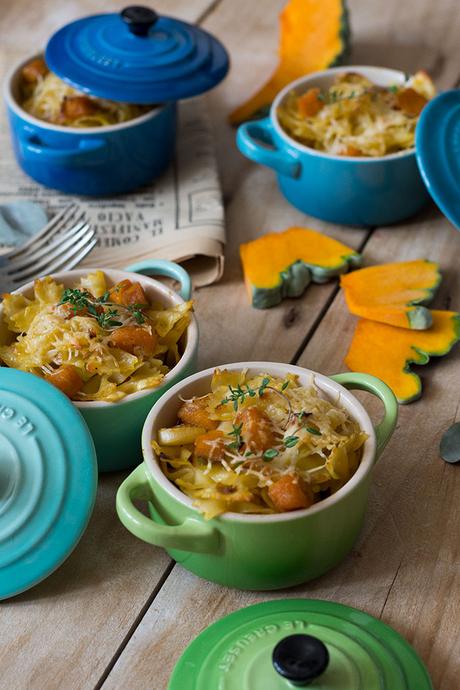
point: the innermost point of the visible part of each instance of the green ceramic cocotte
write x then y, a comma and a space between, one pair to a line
116, 427
256, 552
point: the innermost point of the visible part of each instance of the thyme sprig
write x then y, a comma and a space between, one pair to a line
104, 311
236, 444
238, 394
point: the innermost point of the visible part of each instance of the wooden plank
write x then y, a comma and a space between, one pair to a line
28, 26
404, 539
254, 206
414, 492
62, 633
404, 567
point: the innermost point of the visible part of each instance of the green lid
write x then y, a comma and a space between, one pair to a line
352, 650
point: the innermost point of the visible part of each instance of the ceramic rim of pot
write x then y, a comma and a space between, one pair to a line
12, 102
350, 403
398, 77
167, 293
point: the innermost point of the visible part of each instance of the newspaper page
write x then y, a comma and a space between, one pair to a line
179, 216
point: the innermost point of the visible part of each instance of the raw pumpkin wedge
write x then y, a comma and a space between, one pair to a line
393, 293
282, 264
387, 352
314, 35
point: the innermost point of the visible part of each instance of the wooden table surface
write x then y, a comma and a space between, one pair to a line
119, 613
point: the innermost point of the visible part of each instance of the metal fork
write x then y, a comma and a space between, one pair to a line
60, 246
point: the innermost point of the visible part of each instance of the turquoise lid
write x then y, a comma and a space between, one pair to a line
280, 645
48, 479
437, 141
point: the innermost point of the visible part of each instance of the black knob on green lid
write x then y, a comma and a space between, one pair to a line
139, 19
300, 659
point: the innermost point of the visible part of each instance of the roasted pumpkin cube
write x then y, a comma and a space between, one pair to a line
67, 379
34, 70
256, 429
211, 445
290, 492
196, 412
74, 107
135, 340
128, 293
410, 102
309, 104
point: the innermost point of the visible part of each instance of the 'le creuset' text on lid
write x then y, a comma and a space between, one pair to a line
437, 145
278, 645
48, 479
137, 57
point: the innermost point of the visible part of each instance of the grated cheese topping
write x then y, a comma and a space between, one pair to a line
312, 440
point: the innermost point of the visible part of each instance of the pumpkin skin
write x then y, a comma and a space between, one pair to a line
314, 35
282, 264
387, 352
393, 293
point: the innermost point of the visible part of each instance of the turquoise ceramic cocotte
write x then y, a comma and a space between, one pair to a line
258, 552
338, 189
116, 427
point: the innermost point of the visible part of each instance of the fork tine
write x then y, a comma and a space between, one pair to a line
50, 262
55, 224
63, 264
45, 239
64, 241
75, 260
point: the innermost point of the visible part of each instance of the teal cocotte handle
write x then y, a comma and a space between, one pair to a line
169, 269
371, 384
190, 535
250, 139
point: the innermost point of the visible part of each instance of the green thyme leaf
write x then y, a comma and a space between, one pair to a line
236, 432
263, 385
290, 441
313, 430
270, 453
285, 385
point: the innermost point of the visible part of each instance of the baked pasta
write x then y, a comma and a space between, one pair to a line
48, 98
92, 341
259, 444
355, 117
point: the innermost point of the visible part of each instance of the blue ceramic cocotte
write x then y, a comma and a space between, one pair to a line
132, 57
345, 190
95, 161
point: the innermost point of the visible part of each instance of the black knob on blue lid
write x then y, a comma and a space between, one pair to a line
139, 19
300, 659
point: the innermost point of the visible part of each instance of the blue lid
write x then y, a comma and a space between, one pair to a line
48, 479
437, 141
137, 57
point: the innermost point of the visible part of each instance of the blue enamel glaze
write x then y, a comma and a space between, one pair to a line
173, 60
438, 152
48, 479
366, 192
97, 162
131, 57
346, 190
